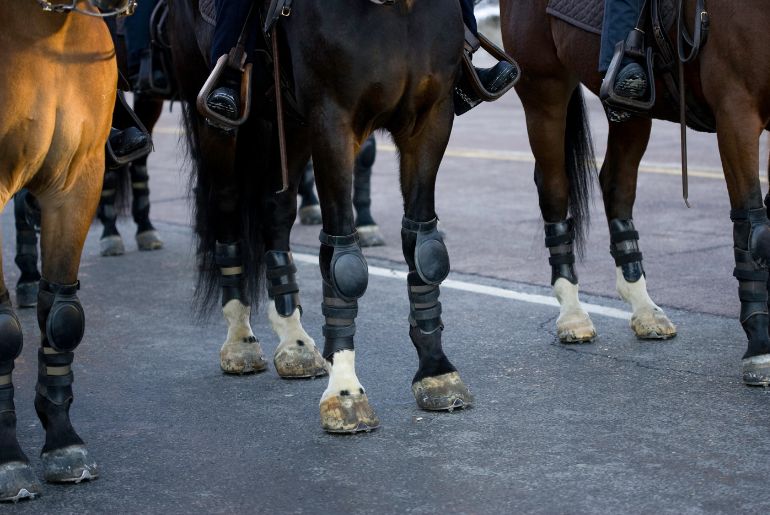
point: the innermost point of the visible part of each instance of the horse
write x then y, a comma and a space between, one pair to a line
730, 80
57, 86
355, 67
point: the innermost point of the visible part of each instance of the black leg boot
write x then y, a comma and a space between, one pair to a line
110, 244
26, 255
368, 232
147, 237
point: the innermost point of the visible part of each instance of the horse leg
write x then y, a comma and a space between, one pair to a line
148, 110
241, 352
437, 384
309, 210
368, 231
26, 252
296, 355
110, 243
739, 128
546, 105
65, 223
17, 479
344, 405
626, 145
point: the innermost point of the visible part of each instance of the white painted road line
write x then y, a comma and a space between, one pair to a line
481, 289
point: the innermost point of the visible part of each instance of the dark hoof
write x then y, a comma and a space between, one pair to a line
756, 370
370, 236
310, 215
348, 414
446, 392
69, 465
111, 246
149, 240
17, 482
26, 294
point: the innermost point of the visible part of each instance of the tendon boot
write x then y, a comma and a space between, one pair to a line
26, 252
344, 405
751, 239
17, 479
61, 319
368, 232
296, 355
110, 243
147, 237
436, 385
241, 353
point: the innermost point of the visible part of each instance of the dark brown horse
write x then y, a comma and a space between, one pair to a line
57, 89
356, 67
730, 79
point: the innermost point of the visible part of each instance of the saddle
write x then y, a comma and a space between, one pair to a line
651, 44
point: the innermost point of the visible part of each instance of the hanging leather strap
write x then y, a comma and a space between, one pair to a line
279, 111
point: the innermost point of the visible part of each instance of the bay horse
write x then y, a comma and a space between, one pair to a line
57, 88
730, 80
356, 66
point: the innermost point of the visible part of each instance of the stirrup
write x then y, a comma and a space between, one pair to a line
236, 59
632, 47
472, 44
114, 161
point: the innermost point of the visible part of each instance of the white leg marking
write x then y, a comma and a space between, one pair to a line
241, 352
288, 329
648, 320
573, 324
342, 375
296, 355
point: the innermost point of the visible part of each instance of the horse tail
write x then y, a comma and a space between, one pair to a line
581, 166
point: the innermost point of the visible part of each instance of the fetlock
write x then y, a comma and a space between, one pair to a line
140, 203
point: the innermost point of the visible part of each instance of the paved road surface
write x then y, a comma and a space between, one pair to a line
616, 426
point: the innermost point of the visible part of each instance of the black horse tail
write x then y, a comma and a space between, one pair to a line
244, 191
581, 166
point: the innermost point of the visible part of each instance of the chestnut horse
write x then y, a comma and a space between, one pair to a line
357, 66
57, 88
730, 79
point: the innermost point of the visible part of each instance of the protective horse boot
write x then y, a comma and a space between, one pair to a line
296, 355
147, 237
110, 243
368, 231
241, 352
62, 323
26, 249
436, 385
17, 479
751, 239
344, 405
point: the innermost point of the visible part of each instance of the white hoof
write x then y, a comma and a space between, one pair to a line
112, 246
149, 240
575, 327
244, 357
651, 323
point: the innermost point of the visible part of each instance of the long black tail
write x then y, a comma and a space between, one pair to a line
191, 71
581, 166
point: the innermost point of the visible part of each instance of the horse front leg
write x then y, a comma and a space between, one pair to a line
738, 134
344, 405
626, 145
436, 385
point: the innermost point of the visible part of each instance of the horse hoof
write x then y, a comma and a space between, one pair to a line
297, 360
17, 482
243, 357
446, 392
310, 215
112, 246
69, 465
26, 294
756, 370
575, 328
652, 324
149, 240
348, 414
370, 236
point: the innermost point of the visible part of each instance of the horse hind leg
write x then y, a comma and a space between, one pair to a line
344, 404
26, 249
110, 242
625, 147
148, 109
17, 478
65, 224
436, 385
554, 108
368, 231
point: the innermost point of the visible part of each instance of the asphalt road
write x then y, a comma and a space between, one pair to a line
619, 425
